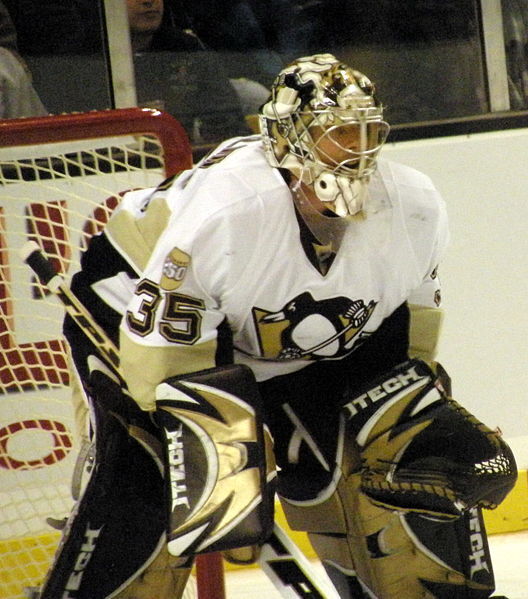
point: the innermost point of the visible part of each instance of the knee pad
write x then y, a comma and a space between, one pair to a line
220, 468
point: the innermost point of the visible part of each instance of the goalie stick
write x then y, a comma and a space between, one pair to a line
281, 560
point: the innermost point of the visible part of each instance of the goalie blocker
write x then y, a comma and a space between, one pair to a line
402, 516
220, 467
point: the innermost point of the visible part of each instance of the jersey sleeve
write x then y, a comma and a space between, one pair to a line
165, 333
425, 301
170, 325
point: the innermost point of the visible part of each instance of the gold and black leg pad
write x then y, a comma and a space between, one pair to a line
400, 515
114, 543
164, 578
220, 466
373, 552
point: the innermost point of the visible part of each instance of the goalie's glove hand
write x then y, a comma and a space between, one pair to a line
423, 452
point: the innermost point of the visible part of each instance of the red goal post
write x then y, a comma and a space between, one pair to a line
60, 178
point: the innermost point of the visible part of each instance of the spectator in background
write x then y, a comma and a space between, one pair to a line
18, 98
153, 26
175, 72
62, 43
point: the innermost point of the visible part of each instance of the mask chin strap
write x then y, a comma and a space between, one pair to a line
328, 230
345, 196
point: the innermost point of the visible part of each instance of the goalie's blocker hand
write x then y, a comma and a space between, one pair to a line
421, 451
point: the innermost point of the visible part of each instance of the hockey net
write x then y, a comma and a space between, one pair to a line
60, 178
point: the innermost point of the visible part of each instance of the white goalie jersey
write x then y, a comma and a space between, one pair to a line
221, 248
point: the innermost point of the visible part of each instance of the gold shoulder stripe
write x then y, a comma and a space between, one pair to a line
137, 237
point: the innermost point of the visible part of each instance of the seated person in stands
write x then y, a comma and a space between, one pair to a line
176, 73
18, 97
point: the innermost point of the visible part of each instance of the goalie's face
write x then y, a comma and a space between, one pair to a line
349, 149
343, 153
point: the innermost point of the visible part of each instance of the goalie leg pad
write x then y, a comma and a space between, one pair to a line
370, 551
166, 576
378, 537
212, 424
390, 555
421, 450
117, 528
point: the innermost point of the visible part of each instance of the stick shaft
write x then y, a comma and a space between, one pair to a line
45, 271
290, 571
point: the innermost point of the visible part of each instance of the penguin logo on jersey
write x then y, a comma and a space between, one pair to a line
310, 329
